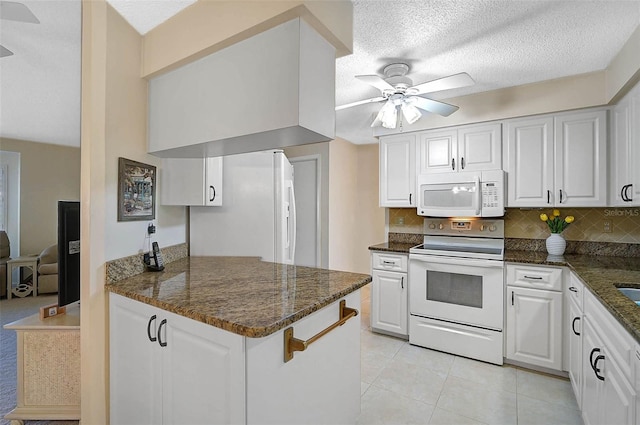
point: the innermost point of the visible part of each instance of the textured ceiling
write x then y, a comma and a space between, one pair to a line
499, 43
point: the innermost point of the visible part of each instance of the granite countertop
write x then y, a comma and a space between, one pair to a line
400, 247
600, 274
243, 295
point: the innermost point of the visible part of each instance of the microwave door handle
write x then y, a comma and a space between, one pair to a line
478, 196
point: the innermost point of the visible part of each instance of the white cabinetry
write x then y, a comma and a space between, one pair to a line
468, 148
389, 293
557, 160
607, 364
191, 181
167, 369
625, 151
398, 171
573, 324
534, 315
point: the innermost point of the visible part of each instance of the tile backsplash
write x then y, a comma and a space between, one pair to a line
589, 225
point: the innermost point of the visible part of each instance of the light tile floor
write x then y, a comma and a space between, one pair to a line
405, 384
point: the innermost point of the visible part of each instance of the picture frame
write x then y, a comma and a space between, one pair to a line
136, 190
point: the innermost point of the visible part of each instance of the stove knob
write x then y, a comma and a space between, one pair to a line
432, 226
482, 227
441, 226
492, 228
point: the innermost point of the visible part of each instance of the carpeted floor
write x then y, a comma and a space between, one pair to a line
12, 310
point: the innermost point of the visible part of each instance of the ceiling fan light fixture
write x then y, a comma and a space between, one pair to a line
411, 113
388, 115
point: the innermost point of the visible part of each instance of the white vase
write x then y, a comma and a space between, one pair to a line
556, 244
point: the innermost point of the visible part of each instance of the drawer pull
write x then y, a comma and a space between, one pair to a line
573, 289
292, 344
533, 277
391, 263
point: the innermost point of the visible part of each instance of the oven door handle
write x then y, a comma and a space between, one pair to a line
472, 262
478, 196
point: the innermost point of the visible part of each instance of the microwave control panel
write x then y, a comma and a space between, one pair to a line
490, 195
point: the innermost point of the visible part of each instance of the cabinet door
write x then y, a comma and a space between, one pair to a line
534, 327
574, 335
581, 159
191, 181
398, 171
213, 181
618, 401
438, 152
480, 147
592, 387
203, 368
135, 375
389, 302
621, 172
529, 167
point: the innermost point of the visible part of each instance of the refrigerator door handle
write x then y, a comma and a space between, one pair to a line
292, 222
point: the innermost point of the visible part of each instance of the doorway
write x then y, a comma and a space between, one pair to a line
307, 185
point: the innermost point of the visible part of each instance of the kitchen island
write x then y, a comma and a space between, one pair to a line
219, 340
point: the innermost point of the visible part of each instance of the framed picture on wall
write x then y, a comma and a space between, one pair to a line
136, 190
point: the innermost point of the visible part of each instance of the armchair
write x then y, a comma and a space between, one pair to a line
5, 252
48, 270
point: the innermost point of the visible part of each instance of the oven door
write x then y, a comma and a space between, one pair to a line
460, 290
445, 195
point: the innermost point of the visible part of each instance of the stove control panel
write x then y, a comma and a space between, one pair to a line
490, 228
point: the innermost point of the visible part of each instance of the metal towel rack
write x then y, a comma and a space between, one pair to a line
292, 344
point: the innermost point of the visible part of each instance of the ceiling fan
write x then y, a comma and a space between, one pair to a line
14, 11
399, 93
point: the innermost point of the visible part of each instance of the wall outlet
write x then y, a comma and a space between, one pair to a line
400, 221
607, 226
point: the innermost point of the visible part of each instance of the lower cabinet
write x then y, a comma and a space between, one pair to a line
534, 315
167, 369
608, 396
389, 294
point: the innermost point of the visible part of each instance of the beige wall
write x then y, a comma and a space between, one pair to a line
208, 26
624, 70
114, 124
48, 173
355, 220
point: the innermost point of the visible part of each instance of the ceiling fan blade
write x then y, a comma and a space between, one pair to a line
434, 106
375, 81
14, 11
360, 102
446, 83
5, 52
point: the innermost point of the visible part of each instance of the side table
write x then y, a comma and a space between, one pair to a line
48, 367
30, 261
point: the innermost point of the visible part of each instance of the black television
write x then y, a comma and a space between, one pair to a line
68, 252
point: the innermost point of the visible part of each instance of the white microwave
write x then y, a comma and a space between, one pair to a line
464, 194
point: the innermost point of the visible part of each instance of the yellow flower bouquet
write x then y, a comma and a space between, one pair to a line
556, 224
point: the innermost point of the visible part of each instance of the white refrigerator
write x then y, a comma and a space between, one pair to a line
258, 214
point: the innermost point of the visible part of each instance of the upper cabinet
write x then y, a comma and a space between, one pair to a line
468, 148
557, 160
195, 182
624, 189
272, 90
398, 171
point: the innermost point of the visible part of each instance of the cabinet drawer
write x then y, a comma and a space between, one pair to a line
549, 278
574, 289
389, 261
